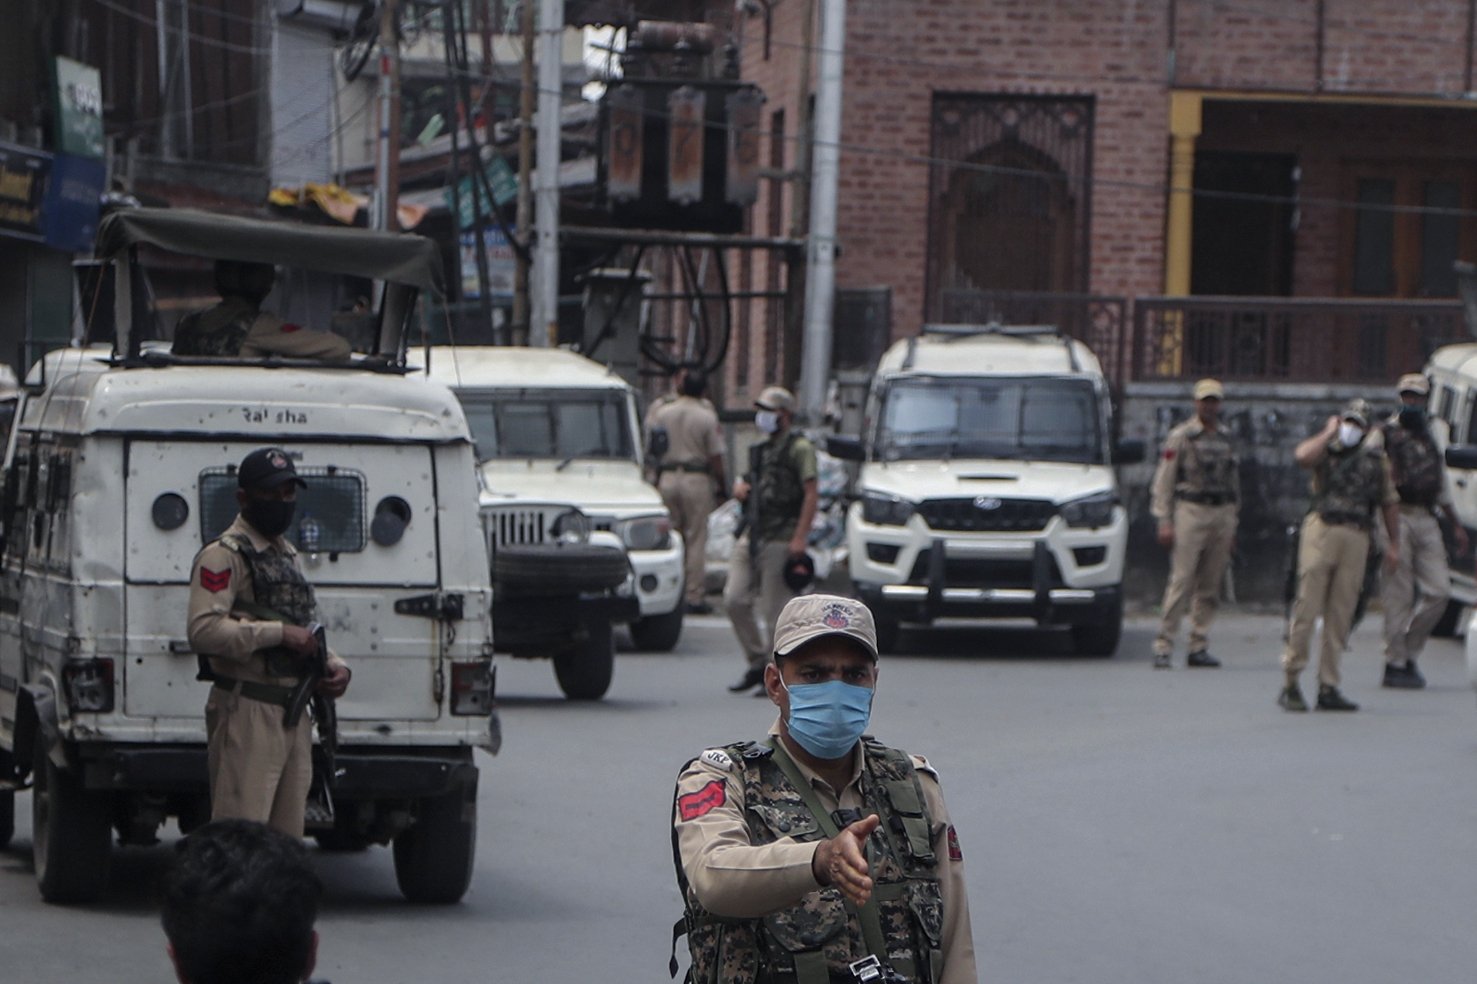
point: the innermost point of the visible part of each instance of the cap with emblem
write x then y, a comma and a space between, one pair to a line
775, 398
1413, 382
267, 468
1357, 410
1210, 389
815, 616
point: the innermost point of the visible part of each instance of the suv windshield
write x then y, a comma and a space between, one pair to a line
549, 424
1030, 417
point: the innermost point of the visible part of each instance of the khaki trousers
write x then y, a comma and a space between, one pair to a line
1203, 536
1408, 620
688, 496
259, 769
1330, 574
753, 590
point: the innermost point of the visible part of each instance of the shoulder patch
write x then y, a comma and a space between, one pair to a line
703, 801
923, 765
718, 759
288, 327
1169, 454
955, 854
214, 581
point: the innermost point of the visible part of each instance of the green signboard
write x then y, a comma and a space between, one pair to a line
504, 186
78, 95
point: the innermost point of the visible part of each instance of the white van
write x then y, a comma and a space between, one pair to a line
121, 466
987, 487
572, 526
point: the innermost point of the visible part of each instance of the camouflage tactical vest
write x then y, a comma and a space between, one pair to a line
220, 330
779, 489
1416, 464
1213, 468
278, 585
815, 941
1351, 484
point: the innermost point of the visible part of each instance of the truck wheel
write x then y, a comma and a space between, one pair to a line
658, 633
434, 855
560, 568
71, 833
1099, 639
584, 671
7, 818
1451, 619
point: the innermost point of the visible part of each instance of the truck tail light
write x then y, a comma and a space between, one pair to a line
88, 684
473, 686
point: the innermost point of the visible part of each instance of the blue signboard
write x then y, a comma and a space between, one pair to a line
69, 214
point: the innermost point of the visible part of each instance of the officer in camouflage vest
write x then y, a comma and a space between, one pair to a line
783, 484
820, 855
1351, 482
1420, 478
1196, 498
249, 611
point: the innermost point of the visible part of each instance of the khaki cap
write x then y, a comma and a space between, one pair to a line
776, 398
1413, 382
1358, 411
815, 616
1208, 389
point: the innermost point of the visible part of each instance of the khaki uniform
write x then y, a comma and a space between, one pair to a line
235, 326
1348, 491
756, 584
1196, 487
733, 877
687, 480
259, 768
1414, 596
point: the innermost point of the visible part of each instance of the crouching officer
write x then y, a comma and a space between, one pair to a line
820, 855
249, 608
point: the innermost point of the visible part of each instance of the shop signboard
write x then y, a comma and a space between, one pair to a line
23, 176
78, 98
502, 264
70, 216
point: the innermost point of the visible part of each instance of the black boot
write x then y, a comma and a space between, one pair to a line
1403, 676
1291, 699
1201, 658
1329, 699
752, 677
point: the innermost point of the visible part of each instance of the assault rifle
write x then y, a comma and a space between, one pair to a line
325, 712
749, 521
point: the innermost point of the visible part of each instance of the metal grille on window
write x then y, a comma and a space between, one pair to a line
329, 517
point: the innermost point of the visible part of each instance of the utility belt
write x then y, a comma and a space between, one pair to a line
267, 693
1345, 519
1206, 498
686, 467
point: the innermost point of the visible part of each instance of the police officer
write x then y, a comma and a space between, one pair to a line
1195, 496
249, 611
237, 326
772, 838
690, 474
782, 480
1351, 482
1420, 479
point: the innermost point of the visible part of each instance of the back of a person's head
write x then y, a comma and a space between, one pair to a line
694, 383
238, 278
238, 906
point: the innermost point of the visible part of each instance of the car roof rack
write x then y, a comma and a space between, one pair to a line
992, 328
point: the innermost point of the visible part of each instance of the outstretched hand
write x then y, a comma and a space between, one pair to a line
841, 861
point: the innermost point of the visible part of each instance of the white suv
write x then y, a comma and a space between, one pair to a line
987, 488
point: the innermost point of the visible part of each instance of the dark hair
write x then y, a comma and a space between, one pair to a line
694, 382
238, 905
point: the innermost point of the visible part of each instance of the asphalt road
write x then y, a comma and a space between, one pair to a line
1120, 825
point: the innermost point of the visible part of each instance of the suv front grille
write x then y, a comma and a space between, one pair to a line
514, 527
985, 572
987, 514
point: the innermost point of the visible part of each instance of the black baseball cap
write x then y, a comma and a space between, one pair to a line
267, 468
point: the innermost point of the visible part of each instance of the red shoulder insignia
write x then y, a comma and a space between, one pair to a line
702, 802
1169, 454
215, 580
954, 853
288, 327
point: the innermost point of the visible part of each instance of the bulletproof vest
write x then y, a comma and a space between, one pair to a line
814, 941
220, 330
279, 586
779, 489
1210, 465
1351, 486
1416, 464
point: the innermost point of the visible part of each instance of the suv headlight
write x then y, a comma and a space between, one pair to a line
885, 510
645, 532
570, 526
1090, 511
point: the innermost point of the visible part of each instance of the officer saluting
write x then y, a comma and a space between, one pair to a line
1196, 497
249, 608
820, 855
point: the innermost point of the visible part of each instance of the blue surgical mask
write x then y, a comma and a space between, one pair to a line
828, 718
767, 421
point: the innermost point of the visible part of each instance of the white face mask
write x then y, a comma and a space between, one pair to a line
767, 421
1350, 434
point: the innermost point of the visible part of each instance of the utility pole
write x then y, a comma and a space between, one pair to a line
543, 326
820, 274
794, 302
524, 214
387, 163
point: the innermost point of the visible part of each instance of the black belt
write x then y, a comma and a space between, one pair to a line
265, 692
1207, 498
684, 467
1345, 519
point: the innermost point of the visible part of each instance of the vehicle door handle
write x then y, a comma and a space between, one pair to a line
181, 647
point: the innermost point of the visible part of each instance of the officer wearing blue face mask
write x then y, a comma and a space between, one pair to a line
819, 854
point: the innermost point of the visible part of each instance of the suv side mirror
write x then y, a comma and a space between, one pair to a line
1128, 452
1461, 456
845, 448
